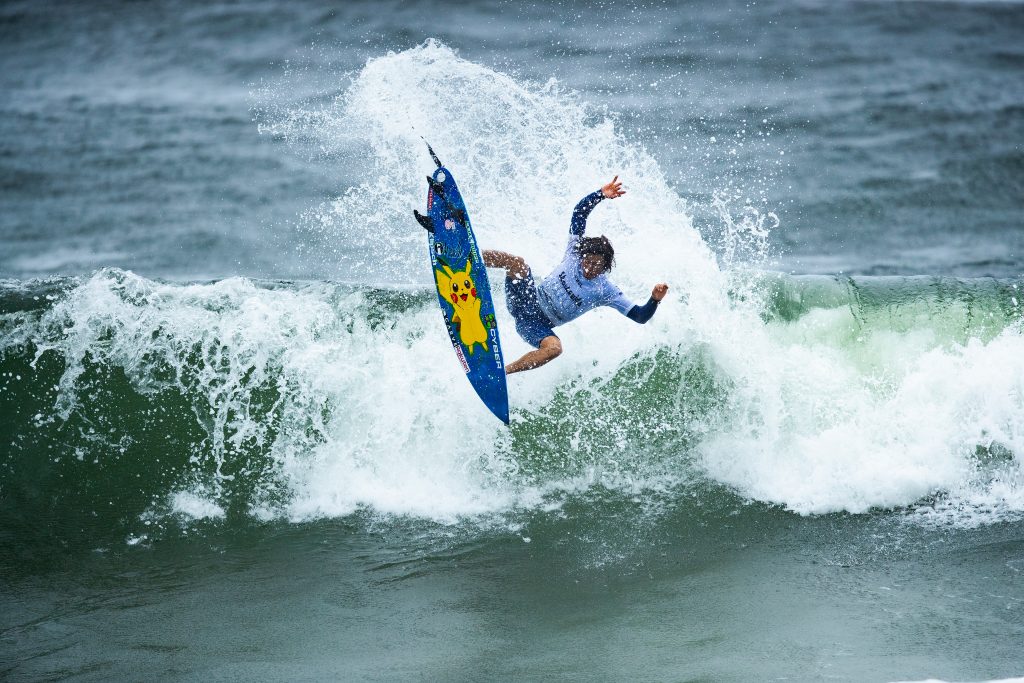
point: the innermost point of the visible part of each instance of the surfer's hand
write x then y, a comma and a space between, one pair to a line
613, 189
659, 291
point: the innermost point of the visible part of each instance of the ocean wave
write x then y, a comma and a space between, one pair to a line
128, 401
131, 399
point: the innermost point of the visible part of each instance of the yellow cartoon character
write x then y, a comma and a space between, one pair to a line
457, 287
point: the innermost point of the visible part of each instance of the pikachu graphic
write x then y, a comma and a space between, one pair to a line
458, 288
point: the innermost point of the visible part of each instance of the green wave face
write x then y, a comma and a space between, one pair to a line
132, 406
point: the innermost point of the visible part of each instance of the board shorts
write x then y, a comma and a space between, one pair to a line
521, 299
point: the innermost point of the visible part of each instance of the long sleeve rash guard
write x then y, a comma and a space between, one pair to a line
566, 294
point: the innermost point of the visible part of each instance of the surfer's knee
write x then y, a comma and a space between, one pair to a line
552, 346
492, 258
515, 266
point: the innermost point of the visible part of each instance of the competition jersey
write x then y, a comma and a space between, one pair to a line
566, 294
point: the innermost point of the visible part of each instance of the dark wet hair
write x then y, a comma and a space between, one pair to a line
598, 245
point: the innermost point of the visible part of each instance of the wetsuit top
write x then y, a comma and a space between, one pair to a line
566, 294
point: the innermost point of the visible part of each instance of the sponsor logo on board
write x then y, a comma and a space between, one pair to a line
462, 356
494, 342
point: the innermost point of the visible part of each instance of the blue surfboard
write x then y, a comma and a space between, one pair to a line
463, 290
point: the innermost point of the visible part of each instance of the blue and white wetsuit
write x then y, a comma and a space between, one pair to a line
566, 294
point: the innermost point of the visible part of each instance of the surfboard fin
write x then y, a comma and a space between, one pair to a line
432, 155
438, 190
436, 187
425, 221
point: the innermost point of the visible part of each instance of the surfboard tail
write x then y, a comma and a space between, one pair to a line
436, 187
457, 213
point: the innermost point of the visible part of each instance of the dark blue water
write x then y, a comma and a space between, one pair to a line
234, 445
885, 135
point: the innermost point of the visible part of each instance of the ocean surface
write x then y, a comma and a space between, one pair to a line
235, 446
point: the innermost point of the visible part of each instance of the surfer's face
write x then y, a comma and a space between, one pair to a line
593, 265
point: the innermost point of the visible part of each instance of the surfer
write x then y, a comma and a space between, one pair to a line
577, 285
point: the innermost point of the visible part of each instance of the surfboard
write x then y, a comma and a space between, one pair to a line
463, 290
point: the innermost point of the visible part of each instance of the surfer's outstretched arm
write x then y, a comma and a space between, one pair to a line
579, 215
550, 349
642, 314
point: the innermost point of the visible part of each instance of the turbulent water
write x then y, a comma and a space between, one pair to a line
220, 348
303, 400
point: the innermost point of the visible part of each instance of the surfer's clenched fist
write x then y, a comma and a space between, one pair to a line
659, 291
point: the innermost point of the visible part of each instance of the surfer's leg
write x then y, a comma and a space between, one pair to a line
515, 267
550, 349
